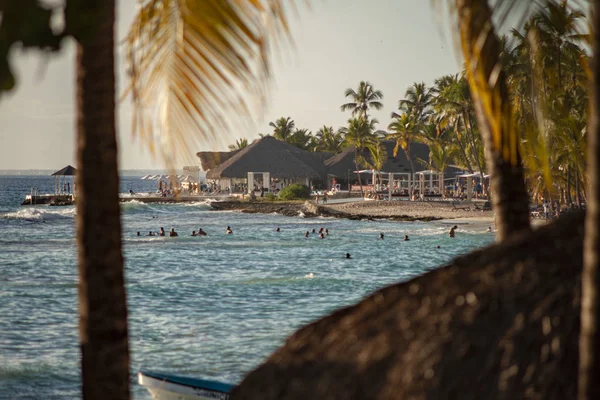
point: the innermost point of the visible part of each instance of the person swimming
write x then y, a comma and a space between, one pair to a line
150, 233
306, 234
162, 231
138, 233
321, 230
322, 236
229, 231
172, 233
406, 239
326, 231
277, 230
348, 255
201, 232
313, 231
194, 233
381, 236
451, 233
489, 229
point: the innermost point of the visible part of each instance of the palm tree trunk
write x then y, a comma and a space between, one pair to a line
589, 343
463, 151
102, 300
362, 193
569, 198
509, 194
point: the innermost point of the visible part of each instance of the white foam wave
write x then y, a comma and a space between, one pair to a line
301, 214
310, 275
41, 214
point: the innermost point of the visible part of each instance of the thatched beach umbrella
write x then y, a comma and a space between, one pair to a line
499, 323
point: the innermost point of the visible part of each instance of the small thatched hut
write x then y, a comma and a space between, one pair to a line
499, 323
280, 159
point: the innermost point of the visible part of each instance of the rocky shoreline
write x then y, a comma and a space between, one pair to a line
369, 210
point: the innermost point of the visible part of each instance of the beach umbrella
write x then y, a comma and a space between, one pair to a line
498, 323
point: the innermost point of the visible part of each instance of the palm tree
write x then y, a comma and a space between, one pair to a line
417, 101
482, 49
377, 157
239, 144
404, 129
283, 128
362, 100
302, 138
102, 300
360, 134
329, 140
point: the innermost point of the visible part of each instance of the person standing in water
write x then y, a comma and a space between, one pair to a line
229, 231
193, 233
201, 232
451, 233
381, 236
162, 231
348, 256
277, 230
172, 233
306, 234
406, 239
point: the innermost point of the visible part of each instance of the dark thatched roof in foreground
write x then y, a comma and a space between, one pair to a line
499, 323
210, 159
268, 154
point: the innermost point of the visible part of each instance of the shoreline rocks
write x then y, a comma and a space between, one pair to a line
369, 210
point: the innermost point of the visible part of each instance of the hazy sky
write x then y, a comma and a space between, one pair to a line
338, 43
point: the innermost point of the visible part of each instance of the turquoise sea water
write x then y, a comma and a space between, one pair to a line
210, 307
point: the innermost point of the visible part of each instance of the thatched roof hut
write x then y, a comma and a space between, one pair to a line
268, 154
499, 323
340, 164
211, 159
66, 171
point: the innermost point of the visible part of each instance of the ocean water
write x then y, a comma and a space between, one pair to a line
211, 307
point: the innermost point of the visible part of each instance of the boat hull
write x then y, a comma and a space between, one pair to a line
172, 387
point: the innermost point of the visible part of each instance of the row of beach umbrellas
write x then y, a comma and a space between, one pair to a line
181, 178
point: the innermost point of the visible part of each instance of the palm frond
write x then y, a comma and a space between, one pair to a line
191, 63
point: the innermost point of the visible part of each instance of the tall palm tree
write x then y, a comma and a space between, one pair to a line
363, 99
239, 144
589, 345
283, 128
417, 100
377, 157
404, 129
482, 50
102, 301
360, 134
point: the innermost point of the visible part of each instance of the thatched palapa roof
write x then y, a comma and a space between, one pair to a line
268, 154
66, 171
340, 164
499, 323
211, 159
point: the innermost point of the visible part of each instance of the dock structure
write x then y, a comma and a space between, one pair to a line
64, 190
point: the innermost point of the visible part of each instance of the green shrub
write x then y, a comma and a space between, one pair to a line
270, 197
295, 192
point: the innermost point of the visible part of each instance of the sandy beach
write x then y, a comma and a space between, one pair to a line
417, 210
395, 210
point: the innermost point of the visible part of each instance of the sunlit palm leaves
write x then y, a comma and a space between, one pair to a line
191, 60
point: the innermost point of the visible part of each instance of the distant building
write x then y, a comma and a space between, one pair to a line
282, 163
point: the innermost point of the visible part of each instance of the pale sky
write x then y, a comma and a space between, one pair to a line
338, 43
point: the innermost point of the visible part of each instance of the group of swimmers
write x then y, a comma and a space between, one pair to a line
172, 232
322, 233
